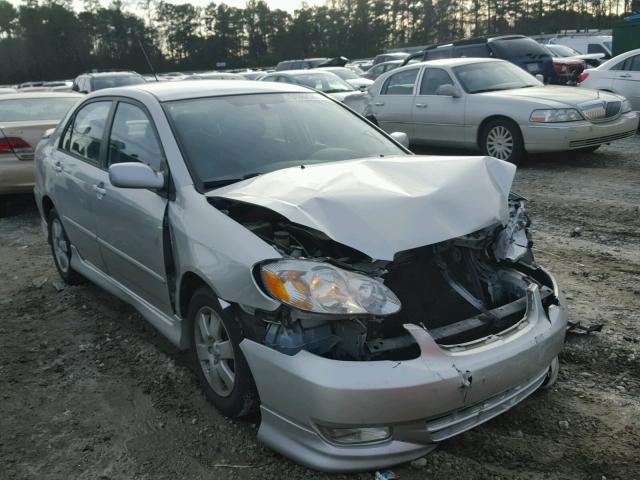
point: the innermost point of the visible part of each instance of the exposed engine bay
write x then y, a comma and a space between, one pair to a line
460, 290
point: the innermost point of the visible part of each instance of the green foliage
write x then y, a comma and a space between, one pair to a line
47, 39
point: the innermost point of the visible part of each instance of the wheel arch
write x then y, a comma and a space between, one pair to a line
489, 119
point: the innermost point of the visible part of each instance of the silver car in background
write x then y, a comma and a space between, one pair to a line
496, 107
312, 265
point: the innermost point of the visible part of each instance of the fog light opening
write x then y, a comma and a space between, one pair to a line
355, 435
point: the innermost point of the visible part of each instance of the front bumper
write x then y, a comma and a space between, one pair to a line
554, 137
443, 392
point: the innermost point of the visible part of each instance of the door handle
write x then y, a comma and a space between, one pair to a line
421, 105
625, 75
100, 190
379, 104
58, 167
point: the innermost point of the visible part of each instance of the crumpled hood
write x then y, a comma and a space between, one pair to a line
381, 206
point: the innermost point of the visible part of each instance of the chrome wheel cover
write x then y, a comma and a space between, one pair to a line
60, 245
500, 142
214, 351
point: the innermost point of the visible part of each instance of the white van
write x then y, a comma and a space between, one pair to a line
585, 43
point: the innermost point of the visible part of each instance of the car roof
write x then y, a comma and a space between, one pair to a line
188, 89
110, 74
11, 96
309, 71
454, 62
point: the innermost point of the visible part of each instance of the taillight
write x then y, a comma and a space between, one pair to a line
582, 77
17, 146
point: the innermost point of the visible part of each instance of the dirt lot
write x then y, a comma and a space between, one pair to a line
88, 390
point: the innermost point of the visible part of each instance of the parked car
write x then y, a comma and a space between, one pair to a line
59, 86
517, 49
387, 57
301, 64
377, 70
619, 75
280, 238
215, 76
90, 82
6, 90
24, 117
586, 43
562, 51
354, 79
568, 69
496, 107
322, 81
362, 64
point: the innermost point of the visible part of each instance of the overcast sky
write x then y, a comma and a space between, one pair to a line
289, 5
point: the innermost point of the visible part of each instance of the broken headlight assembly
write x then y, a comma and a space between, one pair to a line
323, 288
553, 115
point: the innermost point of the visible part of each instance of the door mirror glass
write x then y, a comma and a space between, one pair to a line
135, 175
401, 138
448, 90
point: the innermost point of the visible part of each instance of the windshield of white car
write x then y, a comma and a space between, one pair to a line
493, 76
227, 139
324, 81
35, 109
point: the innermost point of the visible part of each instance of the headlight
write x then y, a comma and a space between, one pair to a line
323, 288
555, 115
626, 106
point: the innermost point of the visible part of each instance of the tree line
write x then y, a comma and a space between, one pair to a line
46, 40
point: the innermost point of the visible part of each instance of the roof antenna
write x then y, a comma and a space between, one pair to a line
146, 57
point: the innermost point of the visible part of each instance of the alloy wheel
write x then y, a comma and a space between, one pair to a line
500, 142
214, 351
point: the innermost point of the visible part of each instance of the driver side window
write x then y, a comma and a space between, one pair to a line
432, 80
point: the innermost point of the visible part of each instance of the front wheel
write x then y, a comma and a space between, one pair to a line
220, 365
502, 139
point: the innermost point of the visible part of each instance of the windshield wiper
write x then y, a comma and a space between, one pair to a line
222, 182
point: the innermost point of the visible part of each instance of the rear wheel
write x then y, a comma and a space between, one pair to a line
61, 250
502, 139
220, 365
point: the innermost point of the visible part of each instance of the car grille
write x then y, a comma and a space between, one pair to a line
589, 142
600, 110
462, 420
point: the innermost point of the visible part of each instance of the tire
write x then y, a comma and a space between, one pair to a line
61, 250
589, 149
502, 139
220, 366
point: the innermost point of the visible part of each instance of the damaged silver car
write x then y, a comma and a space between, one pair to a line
371, 303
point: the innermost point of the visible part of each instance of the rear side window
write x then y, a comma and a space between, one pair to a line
400, 83
133, 138
84, 135
433, 79
634, 63
596, 48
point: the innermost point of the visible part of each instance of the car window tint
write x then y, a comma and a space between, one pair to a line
634, 64
432, 79
400, 83
619, 65
437, 53
133, 138
87, 130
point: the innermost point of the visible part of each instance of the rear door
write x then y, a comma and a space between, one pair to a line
77, 176
437, 119
130, 232
393, 105
627, 81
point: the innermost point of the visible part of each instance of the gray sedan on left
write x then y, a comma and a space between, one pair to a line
496, 107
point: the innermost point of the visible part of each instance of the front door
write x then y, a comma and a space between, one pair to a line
130, 233
77, 174
392, 106
437, 118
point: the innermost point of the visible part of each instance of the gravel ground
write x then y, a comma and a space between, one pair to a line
88, 390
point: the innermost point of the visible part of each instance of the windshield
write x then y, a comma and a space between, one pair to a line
518, 47
325, 82
493, 76
35, 109
116, 81
227, 139
562, 51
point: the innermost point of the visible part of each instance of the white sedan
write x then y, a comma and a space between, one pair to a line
619, 75
496, 107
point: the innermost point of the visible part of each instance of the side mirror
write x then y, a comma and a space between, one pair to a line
540, 77
47, 133
401, 138
135, 175
448, 90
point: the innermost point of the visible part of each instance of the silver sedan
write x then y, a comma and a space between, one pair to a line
313, 267
496, 107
